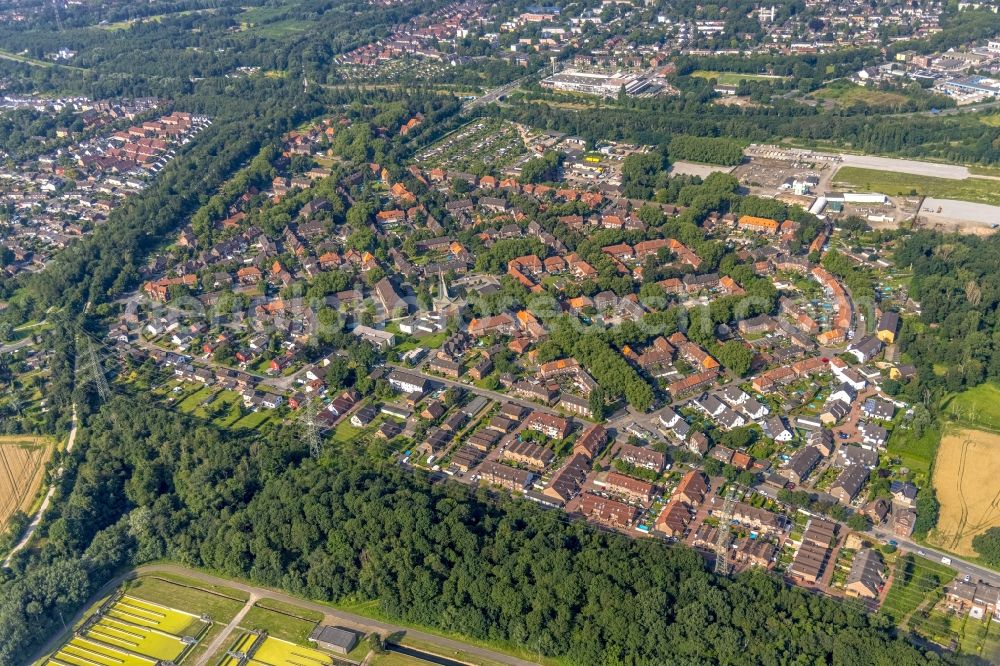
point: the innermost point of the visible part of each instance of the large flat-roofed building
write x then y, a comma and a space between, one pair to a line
594, 83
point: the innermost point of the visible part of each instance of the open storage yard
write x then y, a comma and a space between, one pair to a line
965, 473
23, 459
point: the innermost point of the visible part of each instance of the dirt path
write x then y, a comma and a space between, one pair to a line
37, 519
223, 637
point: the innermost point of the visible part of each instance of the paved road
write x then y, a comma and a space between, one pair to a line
343, 618
915, 167
975, 572
486, 393
223, 636
494, 95
37, 519
14, 346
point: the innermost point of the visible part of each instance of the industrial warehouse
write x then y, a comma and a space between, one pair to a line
593, 83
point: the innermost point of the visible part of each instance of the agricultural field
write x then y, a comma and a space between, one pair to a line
22, 466
894, 183
129, 631
271, 651
965, 474
733, 78
845, 94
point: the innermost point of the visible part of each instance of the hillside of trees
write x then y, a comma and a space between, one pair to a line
153, 485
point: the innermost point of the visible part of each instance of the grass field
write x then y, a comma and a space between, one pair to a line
732, 78
845, 94
916, 453
253, 420
974, 637
281, 621
922, 586
977, 407
268, 22
7, 55
219, 604
394, 659
978, 190
346, 432
22, 466
965, 480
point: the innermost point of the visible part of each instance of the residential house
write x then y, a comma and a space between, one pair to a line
849, 483
607, 511
814, 550
643, 457
865, 349
407, 382
692, 488
801, 464
555, 427
865, 578
673, 519
888, 327
505, 476
591, 442
529, 454
635, 490
565, 484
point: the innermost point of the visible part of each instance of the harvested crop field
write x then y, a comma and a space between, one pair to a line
965, 479
22, 464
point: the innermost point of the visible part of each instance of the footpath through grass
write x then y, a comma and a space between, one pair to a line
978, 190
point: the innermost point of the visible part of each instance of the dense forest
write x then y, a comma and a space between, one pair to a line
152, 484
956, 280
